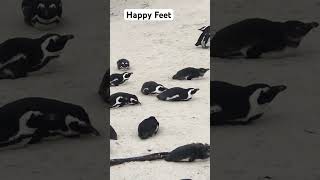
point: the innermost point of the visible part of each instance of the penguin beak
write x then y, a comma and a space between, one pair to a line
278, 89
94, 131
313, 24
69, 36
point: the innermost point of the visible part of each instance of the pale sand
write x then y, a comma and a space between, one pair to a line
74, 77
157, 50
275, 145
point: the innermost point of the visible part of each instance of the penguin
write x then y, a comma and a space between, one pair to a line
42, 14
148, 127
121, 99
189, 153
104, 88
20, 56
123, 64
117, 79
152, 87
233, 104
177, 94
204, 37
31, 119
113, 134
189, 73
253, 37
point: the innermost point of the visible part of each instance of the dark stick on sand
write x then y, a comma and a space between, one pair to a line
150, 157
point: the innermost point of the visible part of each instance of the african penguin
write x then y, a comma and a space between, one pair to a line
253, 37
189, 153
104, 88
189, 73
204, 38
113, 134
123, 64
117, 79
233, 104
31, 119
19, 56
42, 14
148, 127
152, 87
177, 94
121, 99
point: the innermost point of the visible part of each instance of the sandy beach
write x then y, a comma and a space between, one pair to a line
280, 144
75, 78
156, 51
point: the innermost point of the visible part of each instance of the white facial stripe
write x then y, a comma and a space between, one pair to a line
256, 108
52, 6
157, 89
70, 119
46, 21
45, 44
117, 101
41, 5
215, 109
23, 128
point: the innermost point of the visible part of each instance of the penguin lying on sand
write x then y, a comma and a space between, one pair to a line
148, 127
19, 56
204, 37
42, 14
189, 73
152, 87
32, 119
121, 99
186, 153
232, 104
117, 79
253, 37
177, 94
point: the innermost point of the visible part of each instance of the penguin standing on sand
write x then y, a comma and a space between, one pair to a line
31, 119
42, 14
152, 87
123, 64
253, 37
19, 56
121, 99
204, 38
148, 127
117, 79
189, 73
232, 104
177, 94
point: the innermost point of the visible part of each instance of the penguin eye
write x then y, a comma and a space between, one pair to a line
40, 6
52, 6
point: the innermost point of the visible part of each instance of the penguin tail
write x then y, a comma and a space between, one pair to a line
175, 77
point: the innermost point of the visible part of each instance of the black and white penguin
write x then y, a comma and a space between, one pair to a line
177, 94
232, 104
42, 14
117, 79
19, 56
253, 37
189, 153
189, 73
104, 88
152, 87
121, 99
29, 120
113, 134
204, 38
148, 127
123, 64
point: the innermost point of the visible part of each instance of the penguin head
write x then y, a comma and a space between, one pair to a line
55, 42
296, 30
79, 122
192, 91
203, 70
123, 64
205, 150
126, 75
160, 88
134, 100
46, 13
265, 93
